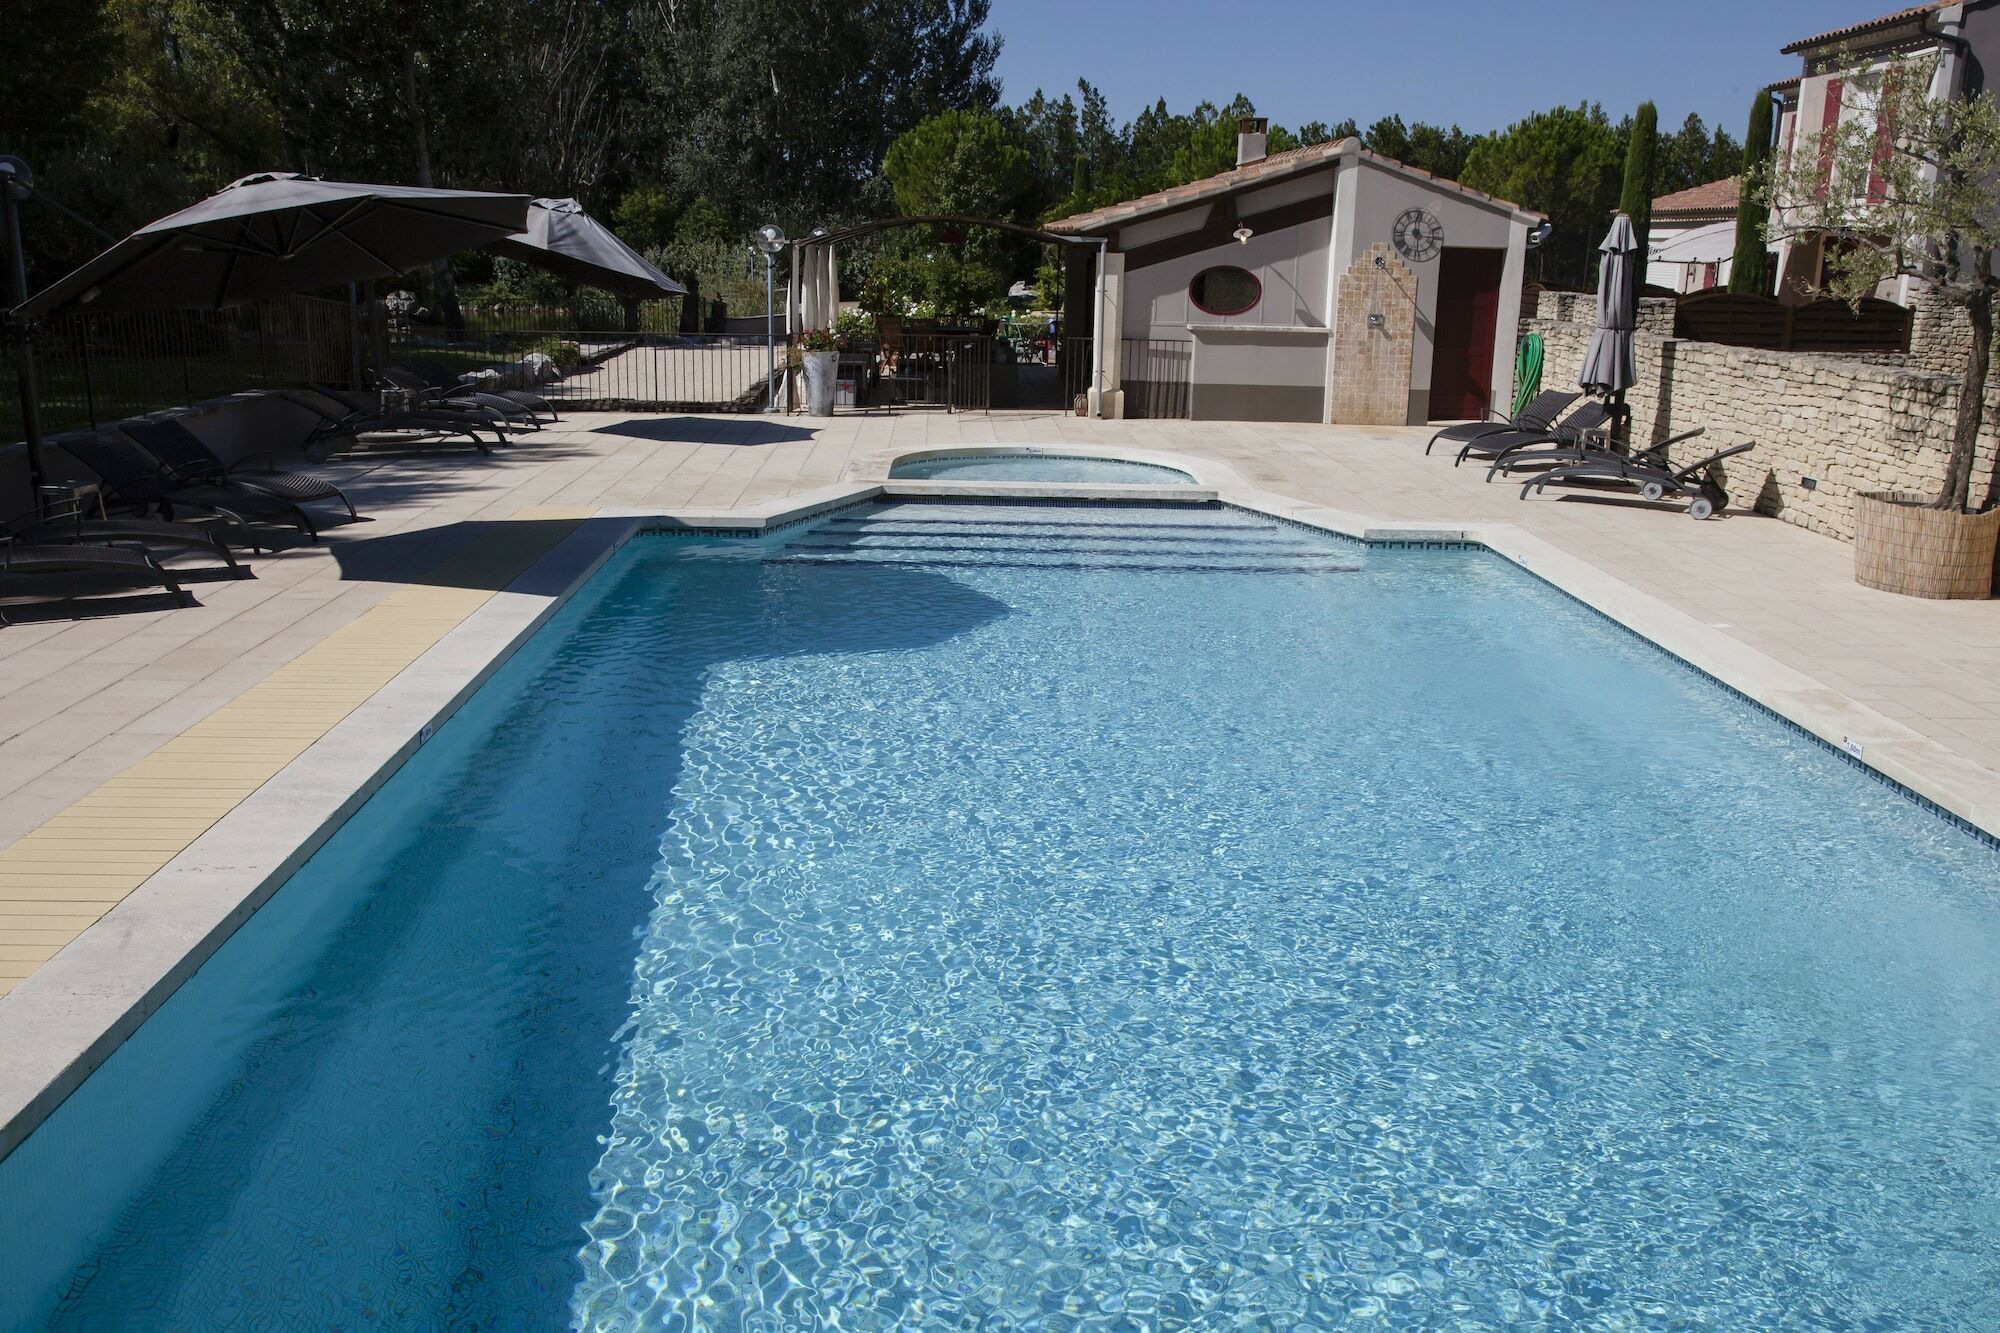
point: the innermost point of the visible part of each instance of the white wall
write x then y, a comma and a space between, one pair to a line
1381, 196
1290, 263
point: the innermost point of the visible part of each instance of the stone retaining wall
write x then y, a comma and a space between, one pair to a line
1845, 424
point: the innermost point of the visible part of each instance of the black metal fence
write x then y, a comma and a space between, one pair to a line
103, 367
605, 368
94, 368
587, 309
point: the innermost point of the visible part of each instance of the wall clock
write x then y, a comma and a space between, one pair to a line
1417, 235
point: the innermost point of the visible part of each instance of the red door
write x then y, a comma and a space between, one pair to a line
1468, 301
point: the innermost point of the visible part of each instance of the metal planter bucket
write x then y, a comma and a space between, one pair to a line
820, 374
1903, 545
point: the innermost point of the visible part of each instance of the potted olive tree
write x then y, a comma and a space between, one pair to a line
1907, 184
819, 357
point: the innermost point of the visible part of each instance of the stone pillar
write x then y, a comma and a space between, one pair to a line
1374, 334
1107, 393
1507, 320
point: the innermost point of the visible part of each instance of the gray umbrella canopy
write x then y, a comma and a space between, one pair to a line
1607, 366
276, 234
570, 243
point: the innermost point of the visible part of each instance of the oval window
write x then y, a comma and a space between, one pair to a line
1225, 290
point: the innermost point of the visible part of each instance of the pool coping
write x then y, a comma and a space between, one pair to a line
61, 1022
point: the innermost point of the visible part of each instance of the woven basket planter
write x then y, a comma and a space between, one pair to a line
1903, 545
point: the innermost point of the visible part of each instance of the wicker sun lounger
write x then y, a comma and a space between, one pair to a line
1654, 475
68, 571
1538, 415
192, 463
134, 480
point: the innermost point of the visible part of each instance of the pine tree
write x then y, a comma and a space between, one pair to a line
1750, 267
1636, 201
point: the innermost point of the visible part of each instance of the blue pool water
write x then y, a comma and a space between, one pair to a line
1038, 467
1060, 918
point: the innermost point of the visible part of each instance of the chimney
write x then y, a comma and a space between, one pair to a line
1250, 139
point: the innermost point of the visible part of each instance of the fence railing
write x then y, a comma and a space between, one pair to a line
1155, 372
586, 310
98, 367
607, 368
1158, 376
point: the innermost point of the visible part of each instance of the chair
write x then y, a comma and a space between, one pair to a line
1538, 415
72, 527
440, 386
442, 377
348, 416
133, 479
190, 462
1654, 475
1586, 446
69, 571
1590, 416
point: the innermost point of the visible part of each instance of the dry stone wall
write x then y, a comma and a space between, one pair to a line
1824, 427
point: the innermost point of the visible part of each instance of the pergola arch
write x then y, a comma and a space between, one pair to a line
812, 294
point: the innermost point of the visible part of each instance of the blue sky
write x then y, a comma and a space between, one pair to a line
1479, 64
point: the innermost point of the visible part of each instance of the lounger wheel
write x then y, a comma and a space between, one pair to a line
1703, 507
318, 452
1652, 490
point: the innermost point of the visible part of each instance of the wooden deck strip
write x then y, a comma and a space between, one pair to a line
61, 877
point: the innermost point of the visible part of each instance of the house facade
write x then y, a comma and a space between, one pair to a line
1325, 283
1842, 70
1693, 237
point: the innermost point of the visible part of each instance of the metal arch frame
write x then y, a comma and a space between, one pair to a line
1102, 244
873, 225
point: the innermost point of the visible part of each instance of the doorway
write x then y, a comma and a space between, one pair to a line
1468, 303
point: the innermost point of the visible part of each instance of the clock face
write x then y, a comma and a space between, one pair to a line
1417, 235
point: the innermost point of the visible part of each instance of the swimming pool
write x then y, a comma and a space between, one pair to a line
955, 913
1036, 466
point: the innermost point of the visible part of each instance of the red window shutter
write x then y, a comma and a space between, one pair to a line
1885, 139
1829, 119
1878, 185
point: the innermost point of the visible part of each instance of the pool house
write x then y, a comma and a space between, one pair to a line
1324, 283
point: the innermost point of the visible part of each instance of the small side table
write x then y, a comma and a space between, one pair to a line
65, 499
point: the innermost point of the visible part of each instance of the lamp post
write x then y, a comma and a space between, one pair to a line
770, 240
16, 184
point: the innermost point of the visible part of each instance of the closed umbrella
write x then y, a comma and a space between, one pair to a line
1607, 366
570, 243
277, 234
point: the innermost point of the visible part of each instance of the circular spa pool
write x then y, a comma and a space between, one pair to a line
1073, 468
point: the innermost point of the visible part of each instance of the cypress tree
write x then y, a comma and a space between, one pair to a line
1750, 266
1637, 199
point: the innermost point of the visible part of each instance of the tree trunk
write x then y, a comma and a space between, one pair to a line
441, 278
1957, 491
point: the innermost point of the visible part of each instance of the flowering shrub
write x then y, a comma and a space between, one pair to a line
819, 340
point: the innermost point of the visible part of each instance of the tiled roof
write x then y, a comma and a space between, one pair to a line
1717, 197
1862, 29
1289, 162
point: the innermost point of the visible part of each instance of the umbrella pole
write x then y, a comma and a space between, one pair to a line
770, 333
353, 337
14, 186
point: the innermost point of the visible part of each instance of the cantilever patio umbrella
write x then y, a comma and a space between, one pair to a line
1607, 365
570, 243
276, 234
272, 234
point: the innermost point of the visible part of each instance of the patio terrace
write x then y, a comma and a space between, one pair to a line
136, 731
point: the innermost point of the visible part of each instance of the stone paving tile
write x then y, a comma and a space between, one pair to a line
83, 701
